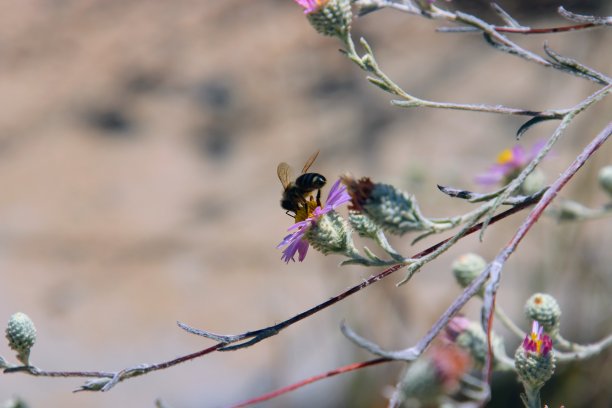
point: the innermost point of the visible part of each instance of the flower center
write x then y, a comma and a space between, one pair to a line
306, 211
505, 157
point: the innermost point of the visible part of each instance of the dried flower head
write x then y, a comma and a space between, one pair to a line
307, 219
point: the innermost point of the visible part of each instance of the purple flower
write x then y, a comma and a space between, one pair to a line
536, 341
295, 242
509, 163
311, 6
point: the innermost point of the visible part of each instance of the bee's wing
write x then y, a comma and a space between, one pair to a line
284, 174
309, 162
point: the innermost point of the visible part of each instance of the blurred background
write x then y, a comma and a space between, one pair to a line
138, 151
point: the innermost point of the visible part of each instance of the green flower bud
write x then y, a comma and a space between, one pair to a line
330, 234
363, 224
435, 375
474, 340
545, 310
333, 18
534, 182
534, 370
535, 359
605, 179
468, 267
393, 210
21, 335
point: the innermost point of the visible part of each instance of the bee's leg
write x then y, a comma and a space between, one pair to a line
319, 197
288, 213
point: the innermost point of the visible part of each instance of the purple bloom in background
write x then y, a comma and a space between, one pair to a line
295, 242
509, 163
311, 6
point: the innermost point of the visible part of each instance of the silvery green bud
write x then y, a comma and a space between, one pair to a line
467, 267
474, 340
21, 335
435, 375
605, 179
329, 234
332, 17
535, 358
363, 224
534, 182
393, 210
533, 369
544, 309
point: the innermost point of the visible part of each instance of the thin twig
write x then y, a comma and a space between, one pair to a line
299, 384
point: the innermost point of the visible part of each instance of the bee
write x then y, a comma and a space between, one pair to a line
295, 192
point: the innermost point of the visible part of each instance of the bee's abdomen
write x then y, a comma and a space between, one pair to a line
310, 181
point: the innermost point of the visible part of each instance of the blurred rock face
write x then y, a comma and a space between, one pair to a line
138, 148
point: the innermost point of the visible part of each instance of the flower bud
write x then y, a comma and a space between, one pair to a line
363, 224
534, 359
474, 340
329, 17
21, 335
605, 179
394, 210
329, 234
468, 267
544, 309
534, 182
434, 375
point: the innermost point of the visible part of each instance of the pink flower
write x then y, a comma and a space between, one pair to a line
311, 6
509, 163
536, 341
295, 242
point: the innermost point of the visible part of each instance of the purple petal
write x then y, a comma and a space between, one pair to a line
302, 249
337, 195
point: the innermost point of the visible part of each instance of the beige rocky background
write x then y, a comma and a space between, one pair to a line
138, 147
